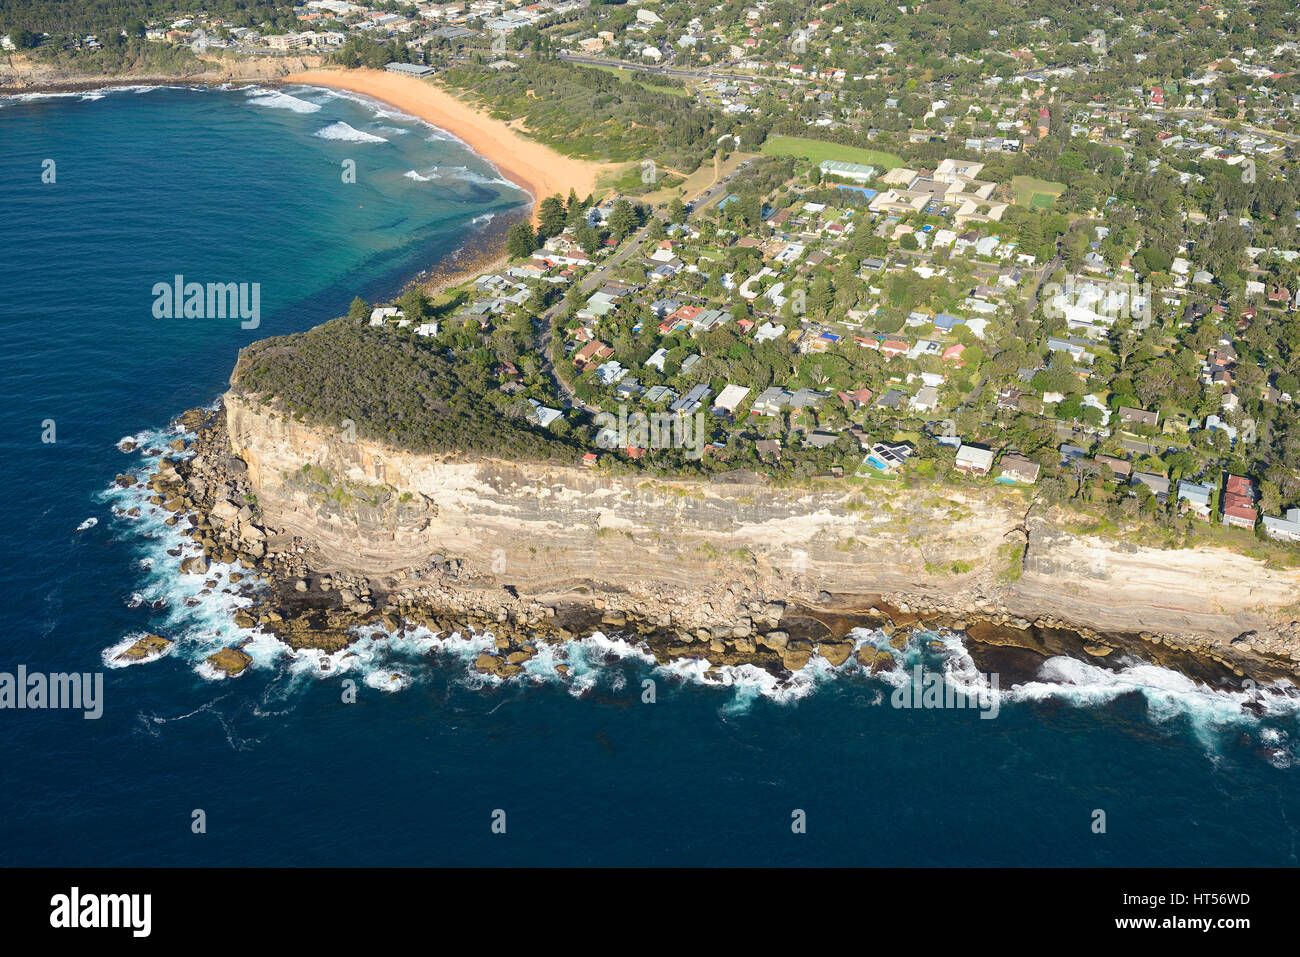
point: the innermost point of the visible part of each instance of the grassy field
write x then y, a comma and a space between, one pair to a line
628, 180
632, 76
817, 151
1038, 193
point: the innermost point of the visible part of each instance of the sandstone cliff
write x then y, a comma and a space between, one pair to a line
546, 530
22, 73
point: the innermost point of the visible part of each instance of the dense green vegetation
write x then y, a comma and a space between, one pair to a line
591, 113
397, 389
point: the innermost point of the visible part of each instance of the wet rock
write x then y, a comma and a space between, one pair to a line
232, 661
796, 655
835, 652
147, 647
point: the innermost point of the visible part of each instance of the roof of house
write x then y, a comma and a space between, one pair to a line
1020, 467
974, 456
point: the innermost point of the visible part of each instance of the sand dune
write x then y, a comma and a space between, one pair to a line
536, 168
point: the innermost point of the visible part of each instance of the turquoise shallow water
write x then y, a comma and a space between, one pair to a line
245, 186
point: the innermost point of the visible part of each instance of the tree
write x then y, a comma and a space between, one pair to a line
414, 304
521, 241
622, 219
360, 309
552, 216
588, 239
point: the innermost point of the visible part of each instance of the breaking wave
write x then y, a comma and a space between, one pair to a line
343, 132
277, 100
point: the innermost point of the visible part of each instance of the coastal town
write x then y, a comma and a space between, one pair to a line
1041, 257
865, 330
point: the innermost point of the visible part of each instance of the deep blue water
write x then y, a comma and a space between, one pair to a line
224, 186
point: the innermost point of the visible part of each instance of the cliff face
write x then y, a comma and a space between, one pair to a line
547, 530
20, 72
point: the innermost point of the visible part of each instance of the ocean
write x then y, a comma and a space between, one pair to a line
246, 186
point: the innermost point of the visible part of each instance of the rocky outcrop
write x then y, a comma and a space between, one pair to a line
232, 661
147, 647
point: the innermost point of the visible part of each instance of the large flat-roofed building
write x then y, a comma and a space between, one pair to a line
410, 69
853, 171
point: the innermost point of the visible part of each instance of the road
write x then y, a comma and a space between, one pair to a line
596, 277
586, 286
685, 73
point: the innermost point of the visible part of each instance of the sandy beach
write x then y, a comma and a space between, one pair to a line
536, 168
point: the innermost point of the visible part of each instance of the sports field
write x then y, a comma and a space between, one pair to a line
1038, 193
817, 151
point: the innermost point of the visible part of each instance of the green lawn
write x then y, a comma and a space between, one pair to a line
817, 151
1037, 193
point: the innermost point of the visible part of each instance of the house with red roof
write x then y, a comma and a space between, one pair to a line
593, 353
1239, 502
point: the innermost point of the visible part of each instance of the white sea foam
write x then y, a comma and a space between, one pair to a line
466, 175
1167, 694
388, 681
199, 619
48, 95
278, 100
90, 96
413, 174
345, 133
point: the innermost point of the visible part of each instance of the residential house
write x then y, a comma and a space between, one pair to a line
729, 399
1017, 468
1138, 417
1239, 502
973, 460
1286, 529
1199, 497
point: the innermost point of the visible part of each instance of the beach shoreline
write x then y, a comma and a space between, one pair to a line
535, 168
483, 252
